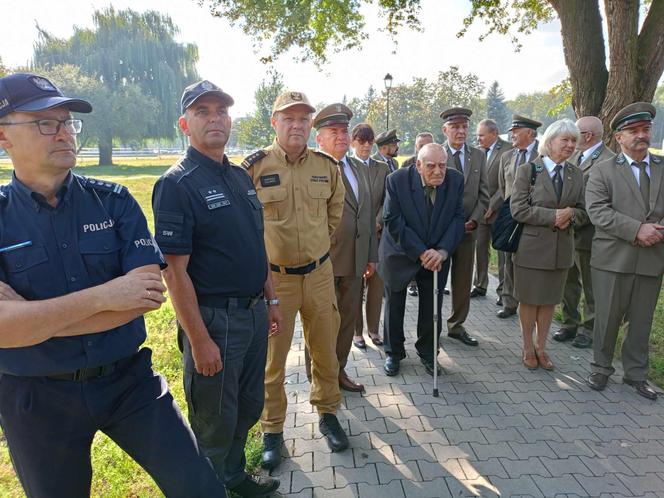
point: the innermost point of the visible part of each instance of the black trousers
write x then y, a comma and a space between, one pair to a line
395, 308
224, 407
49, 425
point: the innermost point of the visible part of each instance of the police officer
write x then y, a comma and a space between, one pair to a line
388, 148
78, 268
217, 283
625, 199
302, 195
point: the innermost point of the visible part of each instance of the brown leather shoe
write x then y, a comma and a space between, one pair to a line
348, 384
530, 361
544, 360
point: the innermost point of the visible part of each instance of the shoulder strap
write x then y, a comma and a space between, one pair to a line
253, 158
533, 174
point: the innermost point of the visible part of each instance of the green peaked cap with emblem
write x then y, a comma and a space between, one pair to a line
332, 115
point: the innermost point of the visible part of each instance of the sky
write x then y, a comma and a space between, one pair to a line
228, 57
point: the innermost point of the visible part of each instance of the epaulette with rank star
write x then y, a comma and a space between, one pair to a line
326, 156
253, 158
105, 186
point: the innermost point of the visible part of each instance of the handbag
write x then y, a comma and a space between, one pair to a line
506, 231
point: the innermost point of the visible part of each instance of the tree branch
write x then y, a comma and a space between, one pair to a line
650, 63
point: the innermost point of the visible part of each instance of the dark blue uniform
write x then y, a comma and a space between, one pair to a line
48, 413
210, 211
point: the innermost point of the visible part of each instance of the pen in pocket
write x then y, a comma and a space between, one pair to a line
13, 247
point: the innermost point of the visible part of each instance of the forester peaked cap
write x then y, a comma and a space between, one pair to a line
454, 114
332, 115
633, 113
27, 92
387, 137
523, 122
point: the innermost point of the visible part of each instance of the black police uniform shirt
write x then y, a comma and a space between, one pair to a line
210, 211
96, 232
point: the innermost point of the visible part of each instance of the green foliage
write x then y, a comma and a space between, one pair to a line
314, 26
545, 107
416, 107
496, 108
256, 131
507, 16
3, 69
132, 55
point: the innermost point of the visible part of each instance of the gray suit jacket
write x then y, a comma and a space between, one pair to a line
542, 246
377, 173
507, 171
501, 149
617, 210
583, 236
354, 243
475, 184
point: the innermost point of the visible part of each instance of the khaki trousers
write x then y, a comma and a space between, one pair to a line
312, 295
482, 252
579, 279
461, 280
374, 303
630, 298
509, 301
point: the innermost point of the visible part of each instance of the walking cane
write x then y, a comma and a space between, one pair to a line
436, 331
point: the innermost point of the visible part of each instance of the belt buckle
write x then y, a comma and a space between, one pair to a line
253, 301
78, 375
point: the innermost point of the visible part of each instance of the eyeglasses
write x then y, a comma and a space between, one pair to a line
52, 126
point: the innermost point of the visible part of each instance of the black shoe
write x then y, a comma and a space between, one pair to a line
391, 366
428, 365
499, 301
597, 381
272, 443
642, 388
506, 312
563, 335
477, 292
256, 486
582, 341
412, 290
463, 337
334, 434
446, 291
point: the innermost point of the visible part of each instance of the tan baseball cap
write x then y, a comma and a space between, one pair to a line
289, 99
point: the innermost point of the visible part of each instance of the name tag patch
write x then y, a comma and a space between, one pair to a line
214, 197
270, 180
320, 179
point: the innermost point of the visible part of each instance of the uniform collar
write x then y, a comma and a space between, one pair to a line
37, 200
281, 153
199, 158
631, 161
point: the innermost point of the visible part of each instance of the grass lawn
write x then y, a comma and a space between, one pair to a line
115, 474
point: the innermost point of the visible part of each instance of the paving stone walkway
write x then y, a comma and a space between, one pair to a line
497, 429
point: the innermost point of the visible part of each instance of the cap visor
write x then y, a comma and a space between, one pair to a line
41, 104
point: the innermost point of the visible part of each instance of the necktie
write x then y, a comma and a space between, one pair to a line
428, 197
457, 161
520, 158
486, 151
579, 159
558, 181
644, 183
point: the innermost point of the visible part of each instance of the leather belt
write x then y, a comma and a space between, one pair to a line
300, 270
83, 374
216, 301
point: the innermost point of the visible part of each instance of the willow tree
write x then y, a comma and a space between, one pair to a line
126, 50
635, 58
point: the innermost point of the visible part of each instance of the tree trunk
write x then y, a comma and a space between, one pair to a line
106, 151
583, 43
651, 51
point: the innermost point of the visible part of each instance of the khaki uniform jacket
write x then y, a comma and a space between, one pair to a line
409, 162
475, 186
354, 242
501, 149
507, 171
583, 236
617, 210
542, 246
302, 203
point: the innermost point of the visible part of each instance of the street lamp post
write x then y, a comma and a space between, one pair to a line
388, 84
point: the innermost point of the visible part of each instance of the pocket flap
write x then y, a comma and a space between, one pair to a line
25, 258
272, 194
319, 191
101, 244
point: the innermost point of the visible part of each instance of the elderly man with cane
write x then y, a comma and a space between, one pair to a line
424, 223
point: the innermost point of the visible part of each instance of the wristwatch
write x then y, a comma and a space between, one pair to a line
272, 302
